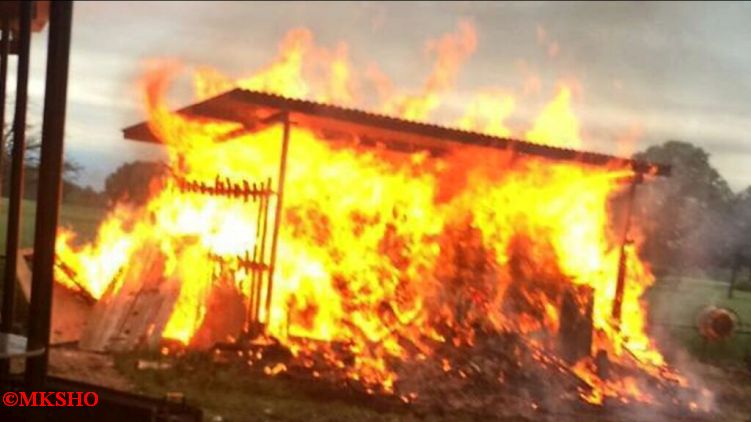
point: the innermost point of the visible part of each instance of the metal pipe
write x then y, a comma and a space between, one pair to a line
621, 280
48, 197
278, 215
16, 175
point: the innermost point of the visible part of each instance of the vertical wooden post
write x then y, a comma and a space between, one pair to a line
621, 280
253, 321
16, 177
575, 329
278, 216
4, 53
48, 197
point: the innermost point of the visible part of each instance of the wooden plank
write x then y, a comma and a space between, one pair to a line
168, 293
575, 330
23, 271
141, 320
226, 311
70, 310
134, 310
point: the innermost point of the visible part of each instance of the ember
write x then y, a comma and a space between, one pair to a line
394, 268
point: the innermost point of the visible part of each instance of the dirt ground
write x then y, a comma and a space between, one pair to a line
83, 366
731, 386
90, 367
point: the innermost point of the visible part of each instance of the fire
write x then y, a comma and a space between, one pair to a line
97, 264
487, 113
380, 251
557, 125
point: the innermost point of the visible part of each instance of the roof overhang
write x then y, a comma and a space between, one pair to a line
254, 110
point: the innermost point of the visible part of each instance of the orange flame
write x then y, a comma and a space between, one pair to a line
376, 248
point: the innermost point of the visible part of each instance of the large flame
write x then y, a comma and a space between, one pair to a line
379, 249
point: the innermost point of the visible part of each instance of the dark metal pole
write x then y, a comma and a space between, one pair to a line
621, 281
48, 197
4, 52
278, 216
16, 176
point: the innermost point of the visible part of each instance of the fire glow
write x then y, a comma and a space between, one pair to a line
386, 253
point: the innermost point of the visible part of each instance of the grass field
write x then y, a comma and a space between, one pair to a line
676, 302
84, 221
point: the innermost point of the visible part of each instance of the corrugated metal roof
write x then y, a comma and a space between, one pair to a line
252, 107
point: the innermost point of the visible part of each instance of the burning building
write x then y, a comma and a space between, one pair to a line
376, 248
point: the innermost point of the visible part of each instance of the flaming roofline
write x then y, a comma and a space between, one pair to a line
253, 110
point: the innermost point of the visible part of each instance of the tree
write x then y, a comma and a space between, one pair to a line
741, 210
686, 217
70, 172
132, 182
75, 194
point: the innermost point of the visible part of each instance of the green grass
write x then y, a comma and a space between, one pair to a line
675, 303
83, 220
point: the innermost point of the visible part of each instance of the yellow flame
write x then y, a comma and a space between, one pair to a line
378, 248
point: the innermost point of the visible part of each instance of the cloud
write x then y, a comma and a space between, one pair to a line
680, 69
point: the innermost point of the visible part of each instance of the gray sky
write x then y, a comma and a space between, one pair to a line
661, 70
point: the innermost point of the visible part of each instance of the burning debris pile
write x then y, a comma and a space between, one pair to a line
405, 265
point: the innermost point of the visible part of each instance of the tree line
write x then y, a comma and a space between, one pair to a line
73, 191
692, 220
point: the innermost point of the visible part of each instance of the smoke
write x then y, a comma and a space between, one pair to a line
692, 221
